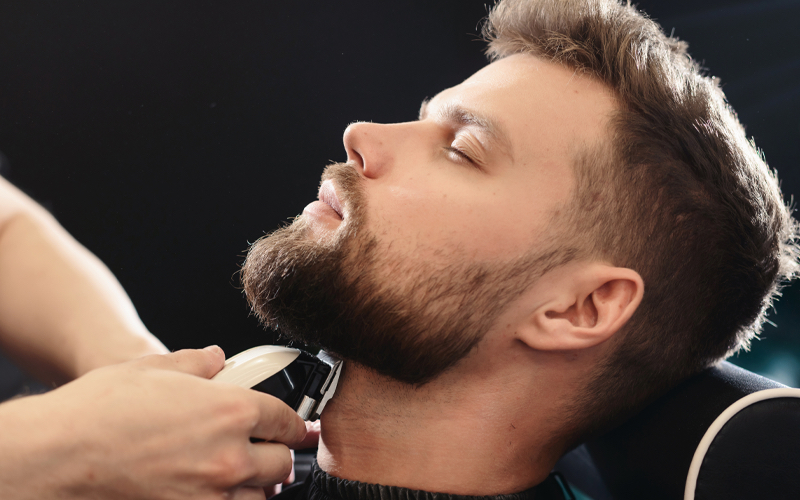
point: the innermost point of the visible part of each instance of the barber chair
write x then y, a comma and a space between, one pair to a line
726, 433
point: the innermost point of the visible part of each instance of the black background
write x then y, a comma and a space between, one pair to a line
167, 135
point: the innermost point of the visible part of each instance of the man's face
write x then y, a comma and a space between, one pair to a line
446, 220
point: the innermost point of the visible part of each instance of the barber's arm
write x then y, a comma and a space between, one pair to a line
62, 312
153, 427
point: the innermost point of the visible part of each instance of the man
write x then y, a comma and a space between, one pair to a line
555, 242
151, 428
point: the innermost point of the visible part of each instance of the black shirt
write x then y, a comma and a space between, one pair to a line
320, 485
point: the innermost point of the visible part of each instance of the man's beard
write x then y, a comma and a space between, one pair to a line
407, 319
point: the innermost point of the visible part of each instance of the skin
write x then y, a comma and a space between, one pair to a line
422, 197
62, 312
494, 423
149, 428
122, 425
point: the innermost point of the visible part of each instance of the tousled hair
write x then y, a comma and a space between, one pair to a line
678, 194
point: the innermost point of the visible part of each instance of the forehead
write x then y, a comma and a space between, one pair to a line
544, 108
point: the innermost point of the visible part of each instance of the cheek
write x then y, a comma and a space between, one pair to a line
474, 223
406, 219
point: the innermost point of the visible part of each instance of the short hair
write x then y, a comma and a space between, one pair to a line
678, 194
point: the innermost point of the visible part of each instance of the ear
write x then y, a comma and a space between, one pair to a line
585, 305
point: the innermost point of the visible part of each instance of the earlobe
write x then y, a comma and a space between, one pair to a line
587, 305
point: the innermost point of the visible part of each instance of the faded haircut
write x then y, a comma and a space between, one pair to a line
678, 194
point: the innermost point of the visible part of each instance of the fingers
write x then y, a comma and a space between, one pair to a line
273, 461
277, 421
291, 477
312, 437
248, 493
271, 491
200, 362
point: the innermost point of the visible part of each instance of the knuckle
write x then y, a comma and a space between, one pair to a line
231, 467
282, 463
235, 411
275, 465
244, 413
285, 466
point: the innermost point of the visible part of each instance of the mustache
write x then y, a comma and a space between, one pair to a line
348, 182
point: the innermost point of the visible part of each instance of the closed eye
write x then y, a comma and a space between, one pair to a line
461, 156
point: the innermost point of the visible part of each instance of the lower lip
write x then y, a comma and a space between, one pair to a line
320, 210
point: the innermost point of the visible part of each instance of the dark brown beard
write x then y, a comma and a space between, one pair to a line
406, 319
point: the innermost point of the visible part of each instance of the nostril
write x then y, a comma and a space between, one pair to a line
355, 157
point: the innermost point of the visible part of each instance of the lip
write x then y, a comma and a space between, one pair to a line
327, 194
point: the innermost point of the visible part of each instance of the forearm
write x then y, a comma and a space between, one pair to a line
62, 312
32, 457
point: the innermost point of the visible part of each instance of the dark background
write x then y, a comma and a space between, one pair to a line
167, 135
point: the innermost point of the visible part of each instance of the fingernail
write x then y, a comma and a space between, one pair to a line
213, 348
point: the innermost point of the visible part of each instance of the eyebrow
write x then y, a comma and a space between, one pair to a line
457, 114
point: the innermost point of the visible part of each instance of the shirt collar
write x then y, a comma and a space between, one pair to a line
323, 486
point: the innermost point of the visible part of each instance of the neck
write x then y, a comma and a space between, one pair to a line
465, 434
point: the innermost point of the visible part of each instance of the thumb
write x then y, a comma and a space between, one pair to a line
200, 362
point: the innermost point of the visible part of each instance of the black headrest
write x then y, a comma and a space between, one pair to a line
648, 457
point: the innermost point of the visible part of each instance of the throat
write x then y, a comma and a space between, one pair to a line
380, 431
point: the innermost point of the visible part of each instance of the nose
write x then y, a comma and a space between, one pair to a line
370, 147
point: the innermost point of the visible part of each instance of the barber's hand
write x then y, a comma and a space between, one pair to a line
152, 428
310, 441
